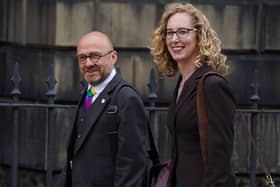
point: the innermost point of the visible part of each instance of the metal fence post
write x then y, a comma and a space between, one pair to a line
152, 85
152, 96
15, 94
255, 101
50, 122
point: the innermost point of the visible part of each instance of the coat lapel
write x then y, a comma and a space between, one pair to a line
190, 86
188, 89
97, 109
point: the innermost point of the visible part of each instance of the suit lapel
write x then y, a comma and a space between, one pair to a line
97, 109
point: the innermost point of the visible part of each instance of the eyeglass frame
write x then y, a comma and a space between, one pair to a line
93, 57
169, 37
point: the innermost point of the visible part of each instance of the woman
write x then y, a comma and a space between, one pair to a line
185, 42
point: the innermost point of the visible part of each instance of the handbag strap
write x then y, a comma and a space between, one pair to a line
153, 152
203, 129
202, 116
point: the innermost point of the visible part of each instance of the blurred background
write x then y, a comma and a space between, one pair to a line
40, 82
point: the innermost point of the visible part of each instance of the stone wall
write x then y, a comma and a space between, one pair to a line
43, 32
38, 33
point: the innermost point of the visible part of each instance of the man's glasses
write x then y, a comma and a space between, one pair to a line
180, 33
93, 57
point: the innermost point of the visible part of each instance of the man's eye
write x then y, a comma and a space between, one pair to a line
81, 58
94, 56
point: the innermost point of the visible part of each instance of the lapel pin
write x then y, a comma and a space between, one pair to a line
103, 101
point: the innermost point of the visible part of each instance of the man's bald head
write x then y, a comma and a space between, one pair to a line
96, 56
96, 36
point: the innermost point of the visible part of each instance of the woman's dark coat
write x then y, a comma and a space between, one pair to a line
187, 163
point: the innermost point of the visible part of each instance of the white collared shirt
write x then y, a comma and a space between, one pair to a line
100, 87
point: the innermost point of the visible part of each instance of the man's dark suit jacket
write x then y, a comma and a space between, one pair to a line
110, 152
188, 166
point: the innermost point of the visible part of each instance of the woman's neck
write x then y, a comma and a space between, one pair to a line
186, 70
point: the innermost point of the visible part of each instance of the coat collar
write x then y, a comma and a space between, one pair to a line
189, 86
200, 71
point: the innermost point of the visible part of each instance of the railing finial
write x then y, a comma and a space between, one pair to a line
16, 79
83, 84
255, 98
51, 83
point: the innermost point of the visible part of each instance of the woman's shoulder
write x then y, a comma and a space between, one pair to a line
217, 86
217, 83
215, 80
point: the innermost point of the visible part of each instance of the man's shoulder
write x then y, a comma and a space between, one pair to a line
124, 88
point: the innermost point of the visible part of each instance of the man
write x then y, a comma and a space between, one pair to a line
106, 147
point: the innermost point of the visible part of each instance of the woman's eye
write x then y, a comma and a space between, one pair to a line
182, 32
169, 33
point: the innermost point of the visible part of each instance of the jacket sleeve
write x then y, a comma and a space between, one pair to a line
130, 160
220, 106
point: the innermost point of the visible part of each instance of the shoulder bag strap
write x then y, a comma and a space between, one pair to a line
153, 152
202, 116
258, 155
203, 130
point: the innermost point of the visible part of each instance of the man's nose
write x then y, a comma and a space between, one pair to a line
89, 62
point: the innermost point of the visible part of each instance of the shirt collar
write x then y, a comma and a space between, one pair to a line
100, 87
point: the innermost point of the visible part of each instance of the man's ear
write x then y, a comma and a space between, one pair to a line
114, 56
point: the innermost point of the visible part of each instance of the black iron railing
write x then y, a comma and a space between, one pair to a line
254, 116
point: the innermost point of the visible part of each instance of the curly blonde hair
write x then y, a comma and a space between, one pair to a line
208, 42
